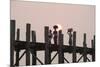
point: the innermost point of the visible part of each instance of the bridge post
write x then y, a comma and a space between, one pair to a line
93, 47
17, 57
18, 34
12, 41
85, 47
17, 51
47, 46
74, 57
28, 26
34, 50
60, 49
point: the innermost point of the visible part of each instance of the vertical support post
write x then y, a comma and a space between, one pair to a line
85, 47
94, 41
34, 50
17, 57
74, 47
17, 51
12, 41
18, 34
47, 46
60, 50
69, 32
93, 47
28, 26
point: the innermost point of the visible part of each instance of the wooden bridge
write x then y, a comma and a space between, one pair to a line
31, 47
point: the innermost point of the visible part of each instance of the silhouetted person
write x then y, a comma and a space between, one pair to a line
50, 36
55, 34
70, 36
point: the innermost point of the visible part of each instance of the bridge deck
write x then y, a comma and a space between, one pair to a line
21, 45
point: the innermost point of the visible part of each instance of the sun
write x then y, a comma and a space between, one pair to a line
59, 27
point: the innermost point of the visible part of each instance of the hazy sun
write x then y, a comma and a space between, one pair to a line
59, 27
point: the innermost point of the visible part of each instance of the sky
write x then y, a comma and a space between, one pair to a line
79, 17
90, 2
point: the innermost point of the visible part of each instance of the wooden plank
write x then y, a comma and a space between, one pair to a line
85, 50
54, 57
28, 26
74, 57
18, 34
47, 46
17, 57
69, 32
41, 46
17, 51
94, 41
93, 47
34, 50
60, 49
12, 41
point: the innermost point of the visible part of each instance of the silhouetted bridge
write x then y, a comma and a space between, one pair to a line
21, 45
31, 47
